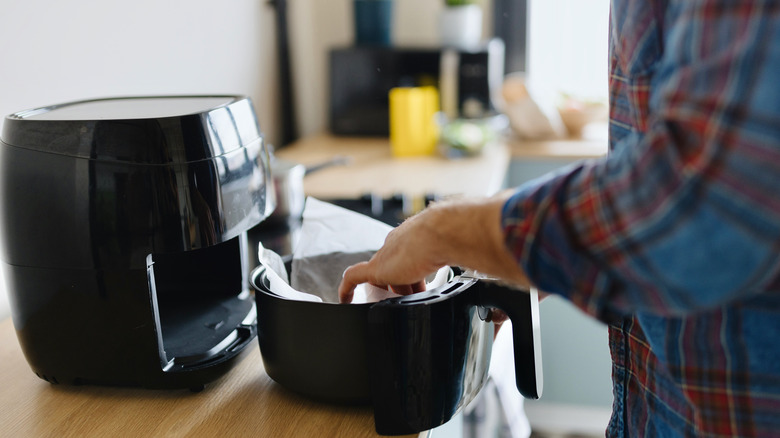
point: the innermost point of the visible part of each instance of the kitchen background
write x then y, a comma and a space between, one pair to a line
52, 52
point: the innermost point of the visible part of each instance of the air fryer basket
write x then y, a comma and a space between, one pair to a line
418, 359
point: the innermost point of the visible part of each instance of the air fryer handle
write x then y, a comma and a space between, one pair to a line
523, 309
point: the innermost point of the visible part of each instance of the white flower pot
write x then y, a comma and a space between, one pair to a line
460, 26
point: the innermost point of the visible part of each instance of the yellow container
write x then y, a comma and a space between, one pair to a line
413, 127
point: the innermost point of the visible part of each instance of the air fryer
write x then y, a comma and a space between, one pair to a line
124, 237
418, 360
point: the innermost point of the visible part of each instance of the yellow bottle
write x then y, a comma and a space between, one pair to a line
413, 127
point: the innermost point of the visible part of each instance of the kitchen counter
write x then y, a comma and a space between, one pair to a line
373, 169
244, 402
564, 149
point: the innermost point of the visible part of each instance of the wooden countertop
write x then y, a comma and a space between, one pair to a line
373, 169
566, 149
244, 402
593, 144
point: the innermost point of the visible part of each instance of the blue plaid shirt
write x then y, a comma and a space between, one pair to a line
674, 238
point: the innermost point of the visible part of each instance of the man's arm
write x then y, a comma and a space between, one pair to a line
466, 233
684, 215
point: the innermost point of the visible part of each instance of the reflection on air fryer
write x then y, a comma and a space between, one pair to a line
478, 354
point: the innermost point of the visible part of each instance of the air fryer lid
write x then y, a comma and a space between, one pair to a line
156, 174
153, 130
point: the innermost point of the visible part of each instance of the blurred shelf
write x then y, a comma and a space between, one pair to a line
372, 169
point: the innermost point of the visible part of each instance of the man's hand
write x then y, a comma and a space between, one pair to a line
410, 253
465, 233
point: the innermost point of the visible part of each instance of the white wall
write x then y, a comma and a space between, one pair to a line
53, 51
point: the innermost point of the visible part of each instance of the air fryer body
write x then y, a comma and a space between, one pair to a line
124, 242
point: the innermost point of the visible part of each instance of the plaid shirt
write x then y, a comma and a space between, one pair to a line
674, 238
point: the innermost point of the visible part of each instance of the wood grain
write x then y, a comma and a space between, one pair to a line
373, 169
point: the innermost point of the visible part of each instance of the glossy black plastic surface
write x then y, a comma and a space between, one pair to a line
523, 309
121, 237
144, 130
429, 358
416, 369
318, 350
417, 359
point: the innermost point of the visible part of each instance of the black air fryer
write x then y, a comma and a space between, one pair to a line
124, 237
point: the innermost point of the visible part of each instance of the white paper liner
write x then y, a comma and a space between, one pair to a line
335, 238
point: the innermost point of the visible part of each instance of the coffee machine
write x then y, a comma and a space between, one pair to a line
124, 236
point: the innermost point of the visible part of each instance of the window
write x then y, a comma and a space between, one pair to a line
568, 47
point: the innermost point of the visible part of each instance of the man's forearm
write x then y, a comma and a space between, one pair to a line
469, 235
465, 233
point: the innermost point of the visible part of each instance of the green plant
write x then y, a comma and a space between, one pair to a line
460, 2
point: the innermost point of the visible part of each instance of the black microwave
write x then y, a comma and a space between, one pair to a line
362, 76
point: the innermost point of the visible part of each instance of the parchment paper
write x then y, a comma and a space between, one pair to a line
332, 238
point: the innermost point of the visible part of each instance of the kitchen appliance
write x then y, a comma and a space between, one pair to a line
124, 236
361, 77
417, 359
